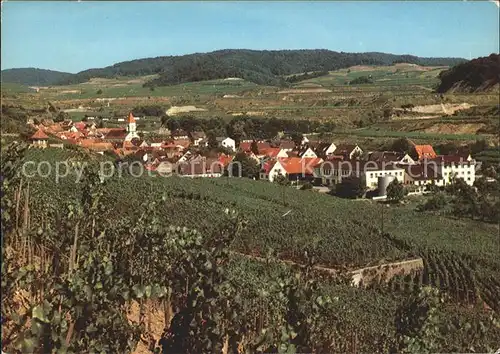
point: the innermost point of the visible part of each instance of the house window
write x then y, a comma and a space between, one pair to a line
468, 172
371, 174
468, 178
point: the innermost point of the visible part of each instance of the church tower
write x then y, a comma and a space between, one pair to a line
131, 128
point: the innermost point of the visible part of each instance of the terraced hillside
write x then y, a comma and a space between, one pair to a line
377, 109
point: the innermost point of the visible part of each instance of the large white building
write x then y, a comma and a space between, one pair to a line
454, 166
332, 172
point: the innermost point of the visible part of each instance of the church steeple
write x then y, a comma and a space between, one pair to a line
131, 118
131, 128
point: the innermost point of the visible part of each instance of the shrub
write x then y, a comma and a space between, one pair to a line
436, 202
306, 186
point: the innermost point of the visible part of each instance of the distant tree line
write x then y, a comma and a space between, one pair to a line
261, 67
481, 201
244, 127
34, 77
361, 80
151, 110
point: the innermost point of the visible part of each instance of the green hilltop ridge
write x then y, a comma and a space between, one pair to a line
265, 67
480, 74
33, 76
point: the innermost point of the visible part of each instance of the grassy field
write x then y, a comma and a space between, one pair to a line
398, 75
11, 88
369, 132
111, 89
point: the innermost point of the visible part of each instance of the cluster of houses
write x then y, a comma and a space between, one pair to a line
322, 163
328, 164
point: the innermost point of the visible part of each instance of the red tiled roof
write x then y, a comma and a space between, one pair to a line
270, 152
287, 144
116, 133
268, 165
39, 135
296, 165
131, 118
95, 144
54, 128
80, 125
425, 152
104, 130
225, 159
70, 135
261, 145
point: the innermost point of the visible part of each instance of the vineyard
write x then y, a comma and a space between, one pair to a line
462, 279
78, 256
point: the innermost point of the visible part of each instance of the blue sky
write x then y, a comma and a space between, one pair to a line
74, 36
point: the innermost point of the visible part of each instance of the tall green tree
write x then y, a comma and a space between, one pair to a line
402, 145
297, 138
395, 191
254, 147
350, 187
243, 166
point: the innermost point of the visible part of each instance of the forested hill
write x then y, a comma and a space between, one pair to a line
261, 67
33, 77
478, 74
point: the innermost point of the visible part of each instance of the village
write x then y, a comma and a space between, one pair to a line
321, 163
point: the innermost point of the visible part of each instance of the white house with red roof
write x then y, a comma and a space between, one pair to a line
39, 139
291, 167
